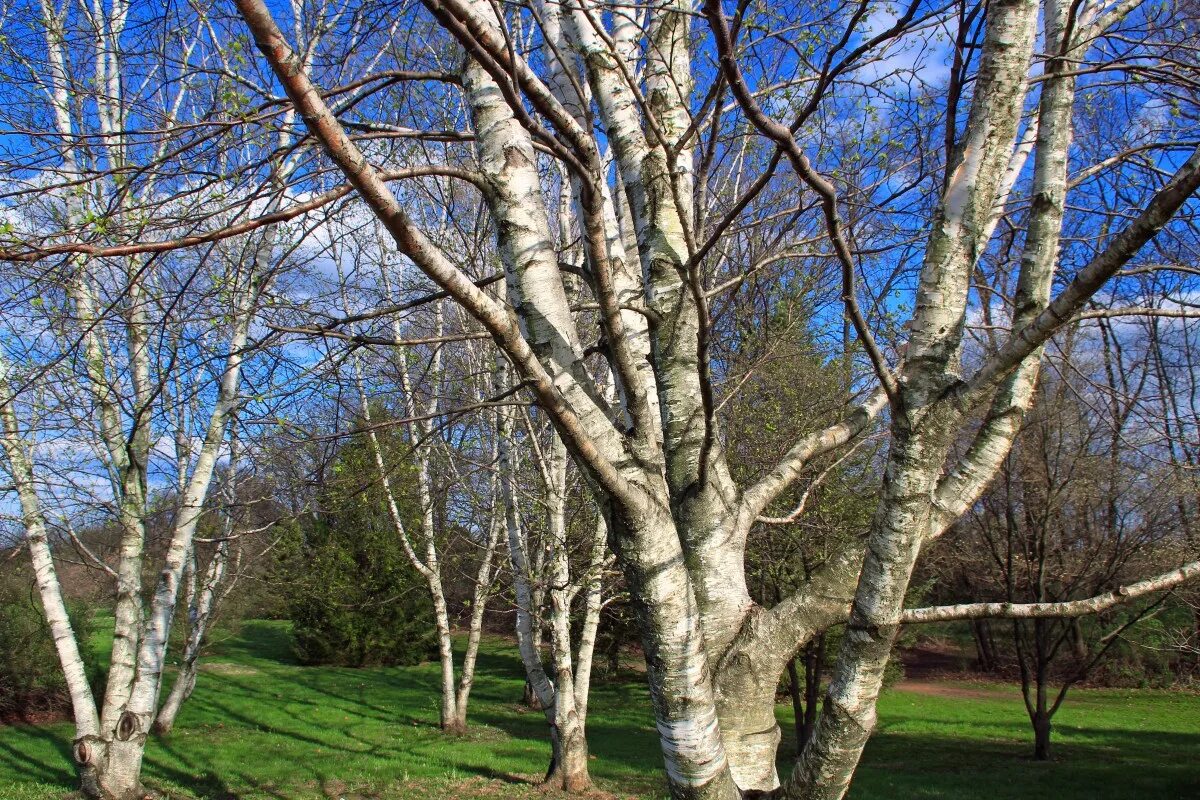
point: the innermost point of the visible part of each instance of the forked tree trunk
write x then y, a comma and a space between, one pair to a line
455, 693
203, 597
676, 522
449, 719
109, 745
563, 692
110, 773
1041, 713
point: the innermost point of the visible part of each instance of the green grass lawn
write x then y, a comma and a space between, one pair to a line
259, 726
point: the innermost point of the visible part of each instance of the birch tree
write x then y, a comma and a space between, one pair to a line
423, 417
677, 521
562, 687
455, 689
668, 161
111, 734
102, 361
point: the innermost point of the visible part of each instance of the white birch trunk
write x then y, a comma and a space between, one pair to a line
83, 704
200, 609
136, 719
922, 432
479, 599
203, 596
562, 694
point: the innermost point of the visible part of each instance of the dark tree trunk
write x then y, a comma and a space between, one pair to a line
814, 656
985, 645
805, 701
797, 705
1041, 736
614, 656
1041, 716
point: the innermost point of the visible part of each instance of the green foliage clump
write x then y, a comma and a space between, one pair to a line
1148, 654
31, 680
353, 597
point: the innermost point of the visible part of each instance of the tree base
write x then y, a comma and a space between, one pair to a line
570, 783
455, 727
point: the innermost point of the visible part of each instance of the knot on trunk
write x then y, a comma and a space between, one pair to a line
128, 726
83, 750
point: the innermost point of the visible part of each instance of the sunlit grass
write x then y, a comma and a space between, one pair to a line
260, 726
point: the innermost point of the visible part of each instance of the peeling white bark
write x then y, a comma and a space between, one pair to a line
20, 468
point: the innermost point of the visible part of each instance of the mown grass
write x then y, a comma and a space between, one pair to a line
259, 726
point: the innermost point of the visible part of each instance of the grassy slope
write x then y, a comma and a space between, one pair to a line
261, 727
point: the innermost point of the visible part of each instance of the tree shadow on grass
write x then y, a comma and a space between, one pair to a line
309, 739
385, 695
926, 767
55, 769
258, 640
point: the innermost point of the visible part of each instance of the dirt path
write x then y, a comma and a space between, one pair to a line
940, 688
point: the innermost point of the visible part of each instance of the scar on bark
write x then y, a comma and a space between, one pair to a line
82, 750
127, 727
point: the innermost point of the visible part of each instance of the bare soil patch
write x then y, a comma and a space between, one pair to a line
936, 688
224, 668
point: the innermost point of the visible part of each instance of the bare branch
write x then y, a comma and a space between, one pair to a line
1066, 608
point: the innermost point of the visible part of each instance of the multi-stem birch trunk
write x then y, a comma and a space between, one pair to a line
677, 521
110, 740
455, 694
562, 691
111, 336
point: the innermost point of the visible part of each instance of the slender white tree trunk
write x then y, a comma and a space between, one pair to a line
479, 599
88, 745
202, 601
203, 595
569, 768
563, 692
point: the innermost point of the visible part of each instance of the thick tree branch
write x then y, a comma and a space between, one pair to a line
759, 496
1067, 608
